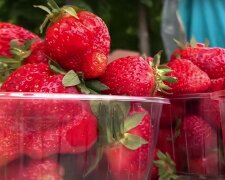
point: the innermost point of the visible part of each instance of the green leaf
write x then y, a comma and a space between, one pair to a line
4, 59
132, 142
94, 159
169, 79
96, 85
56, 68
14, 43
71, 11
133, 121
193, 42
70, 79
116, 119
206, 43
53, 4
46, 9
166, 167
157, 58
29, 43
179, 44
83, 88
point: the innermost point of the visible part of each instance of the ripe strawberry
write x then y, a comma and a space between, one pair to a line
209, 60
190, 79
33, 170
217, 84
9, 32
22, 53
74, 137
26, 78
38, 114
129, 159
197, 137
134, 76
77, 41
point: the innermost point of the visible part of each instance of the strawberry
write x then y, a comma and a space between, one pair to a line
135, 76
129, 158
197, 137
210, 60
11, 146
75, 137
163, 168
190, 79
9, 32
33, 170
78, 41
217, 84
26, 78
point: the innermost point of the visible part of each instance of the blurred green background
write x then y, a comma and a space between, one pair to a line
121, 16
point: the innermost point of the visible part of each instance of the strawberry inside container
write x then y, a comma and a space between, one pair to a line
76, 136
191, 132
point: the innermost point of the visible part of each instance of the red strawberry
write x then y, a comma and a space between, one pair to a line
33, 170
209, 60
133, 76
196, 137
217, 84
26, 78
190, 79
209, 109
75, 137
37, 54
130, 161
78, 41
38, 114
9, 32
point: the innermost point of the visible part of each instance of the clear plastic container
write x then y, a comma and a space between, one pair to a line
190, 131
69, 136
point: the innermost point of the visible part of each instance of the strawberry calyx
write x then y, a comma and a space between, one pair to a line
55, 12
166, 166
114, 124
161, 77
72, 78
20, 51
193, 43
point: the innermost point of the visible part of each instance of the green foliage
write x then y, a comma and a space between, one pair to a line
121, 18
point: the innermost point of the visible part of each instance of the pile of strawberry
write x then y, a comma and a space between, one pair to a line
190, 128
73, 58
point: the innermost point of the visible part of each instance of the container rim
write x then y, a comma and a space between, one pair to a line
191, 96
218, 95
67, 96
